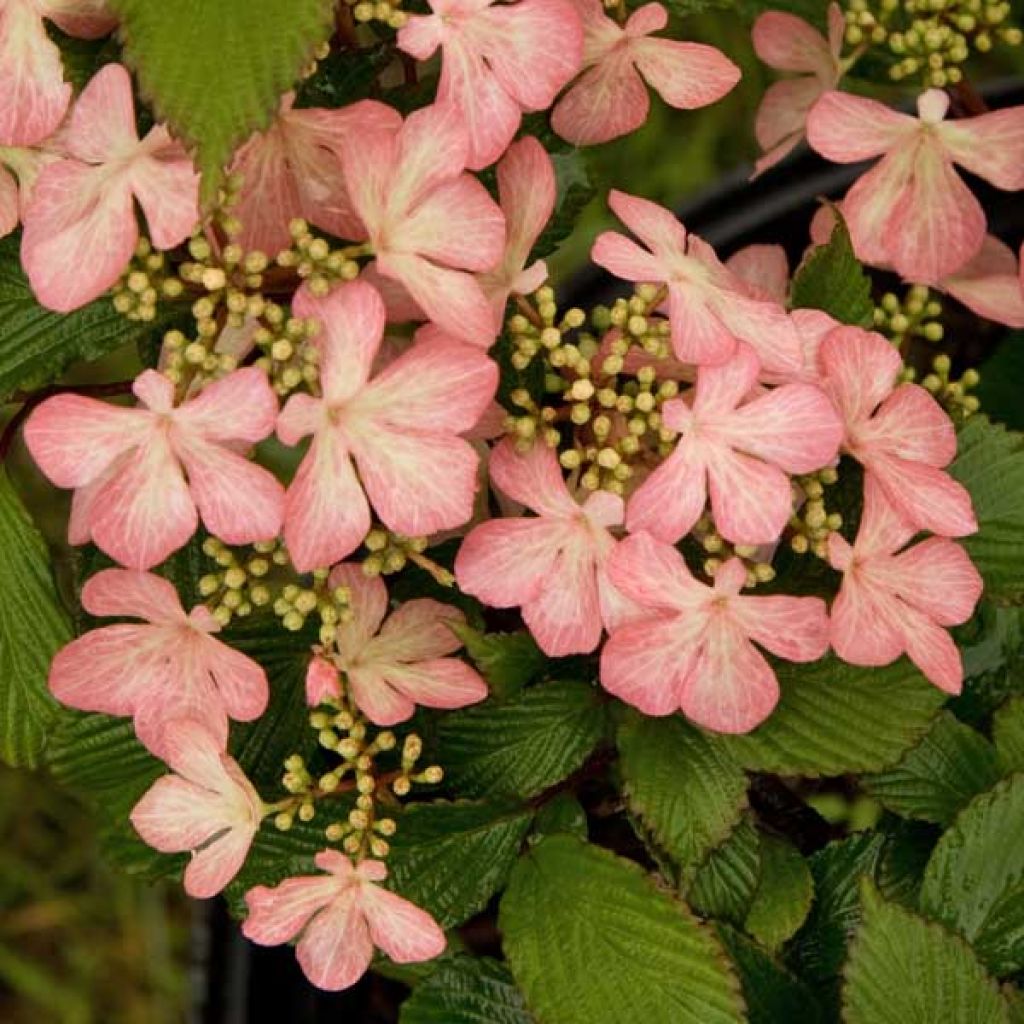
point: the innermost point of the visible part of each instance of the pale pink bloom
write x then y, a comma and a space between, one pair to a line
787, 43
497, 60
80, 226
168, 666
207, 807
33, 93
765, 271
610, 98
339, 918
900, 434
552, 565
431, 226
990, 284
401, 429
128, 466
19, 169
710, 308
526, 191
912, 210
895, 601
695, 652
293, 169
741, 450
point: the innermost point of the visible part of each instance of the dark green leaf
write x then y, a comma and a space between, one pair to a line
1002, 375
1008, 733
508, 661
724, 887
467, 990
563, 813
574, 190
908, 846
783, 896
344, 76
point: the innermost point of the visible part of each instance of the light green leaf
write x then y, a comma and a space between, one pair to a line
783, 896
724, 887
590, 939
467, 990
1008, 734
508, 661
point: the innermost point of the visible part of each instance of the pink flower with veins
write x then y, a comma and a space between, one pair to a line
901, 435
553, 565
710, 308
787, 43
431, 226
610, 97
168, 666
912, 210
764, 269
895, 601
392, 664
33, 94
695, 651
80, 226
741, 450
293, 169
339, 917
497, 60
401, 428
128, 466
19, 169
207, 808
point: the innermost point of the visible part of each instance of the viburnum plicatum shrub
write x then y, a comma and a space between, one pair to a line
675, 642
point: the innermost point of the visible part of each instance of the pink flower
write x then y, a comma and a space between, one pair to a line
293, 169
610, 98
498, 60
553, 565
207, 807
741, 450
990, 284
709, 307
427, 221
169, 666
80, 227
764, 269
401, 428
900, 435
33, 93
19, 169
895, 602
322, 681
391, 666
787, 43
339, 917
696, 650
128, 466
912, 210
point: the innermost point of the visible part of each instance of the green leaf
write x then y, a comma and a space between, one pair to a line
831, 279
590, 939
33, 627
974, 881
835, 719
992, 649
214, 72
908, 846
508, 661
724, 887
903, 968
682, 783
783, 896
522, 746
951, 765
1008, 734
344, 76
574, 190
467, 990
990, 464
563, 813
1001, 377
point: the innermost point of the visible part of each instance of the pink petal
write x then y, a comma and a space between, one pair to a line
368, 602
322, 682
671, 500
938, 578
607, 101
991, 146
376, 697
794, 628
101, 127
990, 285
865, 623
335, 950
214, 866
925, 496
533, 478
782, 118
436, 682
167, 188
277, 915
686, 75
882, 529
140, 595
870, 206
698, 333
421, 35
416, 631
932, 650
764, 269
239, 407
788, 43
83, 19
175, 815
241, 682
861, 368
10, 213
655, 576
622, 257
847, 128
399, 928
651, 17
656, 227
751, 501
911, 424
433, 148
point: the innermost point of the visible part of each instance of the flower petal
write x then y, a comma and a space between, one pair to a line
794, 628
214, 866
417, 630
278, 914
335, 950
861, 368
141, 595
846, 128
241, 682
932, 650
399, 928
607, 101
685, 75
368, 602
751, 501
788, 43
533, 478
990, 285
911, 424
239, 407
436, 682
925, 496
671, 500
990, 146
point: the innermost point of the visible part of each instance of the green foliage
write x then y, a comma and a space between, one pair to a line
1008, 734
1001, 376
467, 990
589, 938
724, 887
783, 896
575, 189
508, 661
344, 77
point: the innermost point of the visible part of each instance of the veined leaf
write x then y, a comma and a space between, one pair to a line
724, 886
783, 896
467, 990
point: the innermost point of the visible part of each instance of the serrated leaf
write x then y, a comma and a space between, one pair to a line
467, 990
519, 747
683, 784
783, 896
1008, 734
951, 764
908, 845
724, 886
508, 661
903, 968
992, 649
974, 881
214, 72
835, 719
563, 813
590, 939
33, 627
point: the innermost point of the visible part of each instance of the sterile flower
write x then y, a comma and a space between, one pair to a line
912, 210
554, 564
764, 269
207, 807
497, 60
990, 284
901, 435
168, 666
610, 97
401, 429
695, 652
339, 918
741, 450
895, 601
129, 466
80, 226
710, 309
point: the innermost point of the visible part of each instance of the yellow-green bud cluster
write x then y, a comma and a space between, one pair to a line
812, 523
316, 262
239, 584
288, 357
295, 604
953, 394
146, 281
719, 551
388, 12
391, 552
915, 315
